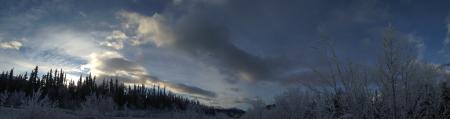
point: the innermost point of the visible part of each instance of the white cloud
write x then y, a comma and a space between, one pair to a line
147, 28
115, 40
11, 45
119, 35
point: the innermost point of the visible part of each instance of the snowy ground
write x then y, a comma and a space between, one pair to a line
51, 113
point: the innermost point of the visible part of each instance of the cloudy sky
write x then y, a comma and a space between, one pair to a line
222, 52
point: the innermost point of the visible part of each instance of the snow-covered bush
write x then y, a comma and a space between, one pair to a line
34, 107
397, 86
193, 112
3, 97
98, 107
15, 99
37, 100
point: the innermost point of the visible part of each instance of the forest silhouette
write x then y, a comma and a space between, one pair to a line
69, 94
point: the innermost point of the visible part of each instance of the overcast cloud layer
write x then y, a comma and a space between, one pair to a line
223, 52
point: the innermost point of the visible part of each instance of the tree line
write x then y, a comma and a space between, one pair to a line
71, 94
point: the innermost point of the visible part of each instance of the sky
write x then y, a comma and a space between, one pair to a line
222, 52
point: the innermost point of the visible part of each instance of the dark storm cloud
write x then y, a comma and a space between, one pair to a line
260, 40
292, 27
201, 38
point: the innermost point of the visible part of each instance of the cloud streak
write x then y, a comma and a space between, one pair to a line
113, 64
11, 45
